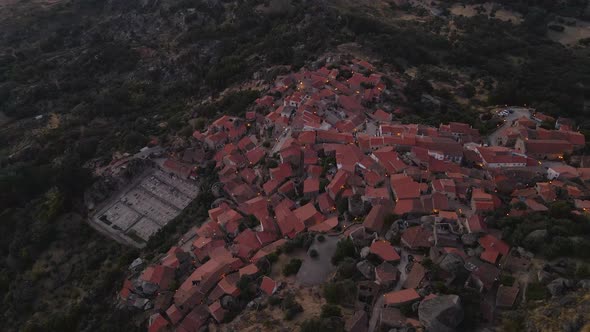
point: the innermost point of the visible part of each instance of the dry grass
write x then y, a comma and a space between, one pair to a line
554, 322
571, 35
501, 14
270, 318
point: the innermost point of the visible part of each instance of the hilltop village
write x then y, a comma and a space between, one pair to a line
322, 165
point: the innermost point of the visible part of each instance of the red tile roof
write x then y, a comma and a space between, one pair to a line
159, 275
479, 195
490, 256
178, 168
270, 186
376, 194
325, 226
535, 206
374, 220
248, 270
288, 223
306, 214
329, 136
268, 285
415, 276
490, 242
350, 103
475, 224
217, 311
385, 251
326, 204
158, 323
506, 296
249, 239
174, 314
126, 290
283, 171
269, 234
487, 274
337, 183
194, 320
311, 185
381, 115
582, 204
417, 237
255, 155
547, 146
307, 137
398, 298
404, 187
407, 206
287, 188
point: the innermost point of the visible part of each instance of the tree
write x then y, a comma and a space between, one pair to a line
272, 257
292, 267
317, 324
535, 21
560, 209
344, 248
583, 271
134, 141
330, 310
251, 221
536, 292
347, 268
340, 292
291, 307
52, 205
313, 253
389, 219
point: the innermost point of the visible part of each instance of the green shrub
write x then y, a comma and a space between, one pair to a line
274, 300
292, 267
340, 292
536, 292
313, 253
507, 280
291, 307
272, 257
330, 310
344, 248
583, 271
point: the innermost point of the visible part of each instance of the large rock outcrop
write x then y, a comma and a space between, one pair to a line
366, 269
441, 314
452, 263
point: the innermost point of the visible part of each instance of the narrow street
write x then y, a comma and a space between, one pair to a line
281, 141
376, 313
403, 263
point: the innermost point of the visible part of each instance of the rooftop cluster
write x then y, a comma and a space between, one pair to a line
322, 152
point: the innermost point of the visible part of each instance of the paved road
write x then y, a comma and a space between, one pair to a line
519, 112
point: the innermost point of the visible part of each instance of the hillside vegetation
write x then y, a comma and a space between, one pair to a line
83, 79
